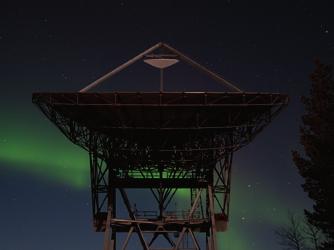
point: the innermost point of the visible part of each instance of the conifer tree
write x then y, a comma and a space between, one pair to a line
316, 162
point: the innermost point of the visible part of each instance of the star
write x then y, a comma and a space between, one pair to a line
324, 29
65, 77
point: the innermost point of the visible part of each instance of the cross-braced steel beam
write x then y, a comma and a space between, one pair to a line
206, 212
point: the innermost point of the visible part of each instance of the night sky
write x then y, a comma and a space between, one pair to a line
264, 46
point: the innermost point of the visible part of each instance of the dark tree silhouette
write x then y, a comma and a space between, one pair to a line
291, 235
312, 235
316, 164
299, 234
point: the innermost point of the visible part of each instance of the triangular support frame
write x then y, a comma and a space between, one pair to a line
180, 55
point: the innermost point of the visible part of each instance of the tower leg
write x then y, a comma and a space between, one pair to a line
113, 233
107, 241
213, 232
133, 217
110, 241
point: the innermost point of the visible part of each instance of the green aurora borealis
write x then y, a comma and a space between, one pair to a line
46, 154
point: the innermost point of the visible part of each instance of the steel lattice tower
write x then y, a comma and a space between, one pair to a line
161, 141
